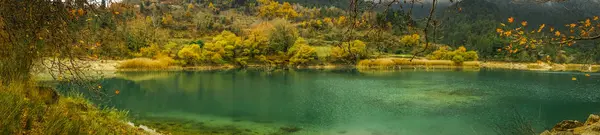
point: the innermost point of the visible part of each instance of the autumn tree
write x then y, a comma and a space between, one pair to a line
272, 9
349, 52
301, 53
283, 36
42, 32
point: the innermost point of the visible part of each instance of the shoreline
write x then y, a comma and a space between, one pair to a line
108, 68
540, 66
111, 66
523, 66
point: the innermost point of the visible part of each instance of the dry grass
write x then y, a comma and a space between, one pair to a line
575, 67
146, 63
534, 66
24, 113
596, 68
387, 63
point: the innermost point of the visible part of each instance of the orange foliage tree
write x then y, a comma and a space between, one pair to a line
522, 37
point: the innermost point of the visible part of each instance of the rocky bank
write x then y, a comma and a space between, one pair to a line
573, 127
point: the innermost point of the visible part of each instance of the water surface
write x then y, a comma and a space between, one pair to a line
352, 102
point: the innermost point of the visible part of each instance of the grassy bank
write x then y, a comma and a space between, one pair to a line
32, 110
144, 64
400, 63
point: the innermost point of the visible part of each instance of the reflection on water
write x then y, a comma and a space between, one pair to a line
351, 102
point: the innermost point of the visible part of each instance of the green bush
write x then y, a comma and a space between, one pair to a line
523, 56
458, 59
283, 35
471, 56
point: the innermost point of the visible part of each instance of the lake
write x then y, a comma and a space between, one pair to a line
355, 103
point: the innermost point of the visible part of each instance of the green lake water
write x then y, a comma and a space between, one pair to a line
357, 103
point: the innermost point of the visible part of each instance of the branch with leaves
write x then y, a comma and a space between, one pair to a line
521, 38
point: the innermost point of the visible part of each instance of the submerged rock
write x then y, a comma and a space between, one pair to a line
291, 129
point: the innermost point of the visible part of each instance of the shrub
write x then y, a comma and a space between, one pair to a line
151, 51
459, 55
384, 42
523, 56
257, 41
190, 54
170, 49
458, 59
224, 48
471, 56
272, 9
140, 32
216, 58
439, 54
283, 35
349, 52
410, 40
301, 53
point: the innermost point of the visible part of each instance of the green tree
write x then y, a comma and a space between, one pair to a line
190, 54
283, 36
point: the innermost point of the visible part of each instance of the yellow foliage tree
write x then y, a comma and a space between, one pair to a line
459, 55
257, 40
301, 53
349, 52
152, 51
225, 47
271, 9
190, 54
410, 40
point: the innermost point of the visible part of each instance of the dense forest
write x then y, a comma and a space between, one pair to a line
296, 32
136, 28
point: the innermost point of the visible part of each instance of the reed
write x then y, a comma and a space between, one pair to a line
146, 63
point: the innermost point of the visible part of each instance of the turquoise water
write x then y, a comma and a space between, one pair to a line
352, 102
